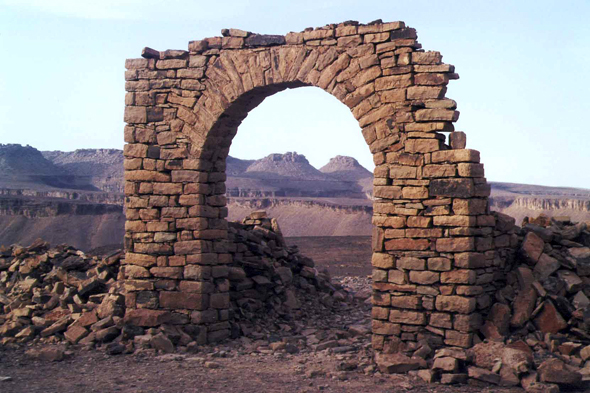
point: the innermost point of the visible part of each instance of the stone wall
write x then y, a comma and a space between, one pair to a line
434, 239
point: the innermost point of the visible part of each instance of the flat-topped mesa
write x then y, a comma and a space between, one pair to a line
438, 253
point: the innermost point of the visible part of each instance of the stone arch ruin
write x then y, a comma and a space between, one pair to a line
437, 248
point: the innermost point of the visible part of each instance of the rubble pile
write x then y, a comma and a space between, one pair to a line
49, 294
270, 281
56, 295
537, 333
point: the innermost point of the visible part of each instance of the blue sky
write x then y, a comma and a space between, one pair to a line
523, 93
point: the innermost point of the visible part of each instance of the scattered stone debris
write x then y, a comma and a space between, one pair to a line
536, 335
280, 303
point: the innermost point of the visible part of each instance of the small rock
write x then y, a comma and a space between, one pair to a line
48, 354
161, 343
397, 363
483, 375
549, 320
556, 371
446, 364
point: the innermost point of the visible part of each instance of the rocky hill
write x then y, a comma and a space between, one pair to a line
103, 168
345, 168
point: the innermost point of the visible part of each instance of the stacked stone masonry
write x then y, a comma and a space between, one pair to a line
435, 242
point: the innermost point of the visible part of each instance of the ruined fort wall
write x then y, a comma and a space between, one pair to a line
434, 239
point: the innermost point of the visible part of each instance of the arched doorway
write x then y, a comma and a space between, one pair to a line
433, 239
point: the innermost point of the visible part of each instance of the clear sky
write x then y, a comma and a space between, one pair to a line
524, 92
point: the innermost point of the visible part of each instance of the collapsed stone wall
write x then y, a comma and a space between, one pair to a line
52, 294
434, 239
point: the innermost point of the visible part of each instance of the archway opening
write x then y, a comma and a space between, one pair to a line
298, 158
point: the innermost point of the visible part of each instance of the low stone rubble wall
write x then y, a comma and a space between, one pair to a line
61, 294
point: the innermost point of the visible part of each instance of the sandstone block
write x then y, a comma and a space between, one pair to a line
383, 261
396, 277
184, 300
556, 371
455, 221
455, 244
146, 318
388, 192
393, 82
470, 170
470, 206
439, 264
462, 305
459, 188
470, 260
458, 339
407, 317
455, 156
75, 334
385, 328
407, 244
426, 92
397, 363
458, 140
462, 276
419, 222
424, 115
424, 277
407, 302
410, 263
402, 172
483, 375
549, 320
422, 145
441, 320
447, 170
430, 57
423, 232
415, 193
445, 364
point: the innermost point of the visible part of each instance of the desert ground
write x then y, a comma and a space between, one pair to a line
240, 365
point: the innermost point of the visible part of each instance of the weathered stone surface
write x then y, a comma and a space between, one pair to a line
162, 343
456, 188
147, 318
397, 363
523, 306
483, 375
458, 304
556, 371
532, 247
549, 320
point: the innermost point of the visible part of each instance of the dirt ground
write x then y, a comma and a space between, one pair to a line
94, 371
341, 255
236, 366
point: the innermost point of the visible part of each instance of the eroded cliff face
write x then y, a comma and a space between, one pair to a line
522, 200
76, 197
309, 217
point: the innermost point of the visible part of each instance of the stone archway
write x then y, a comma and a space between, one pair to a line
434, 257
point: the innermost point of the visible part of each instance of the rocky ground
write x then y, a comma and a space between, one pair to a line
331, 353
63, 320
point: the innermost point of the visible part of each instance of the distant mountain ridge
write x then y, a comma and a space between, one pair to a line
99, 167
36, 188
